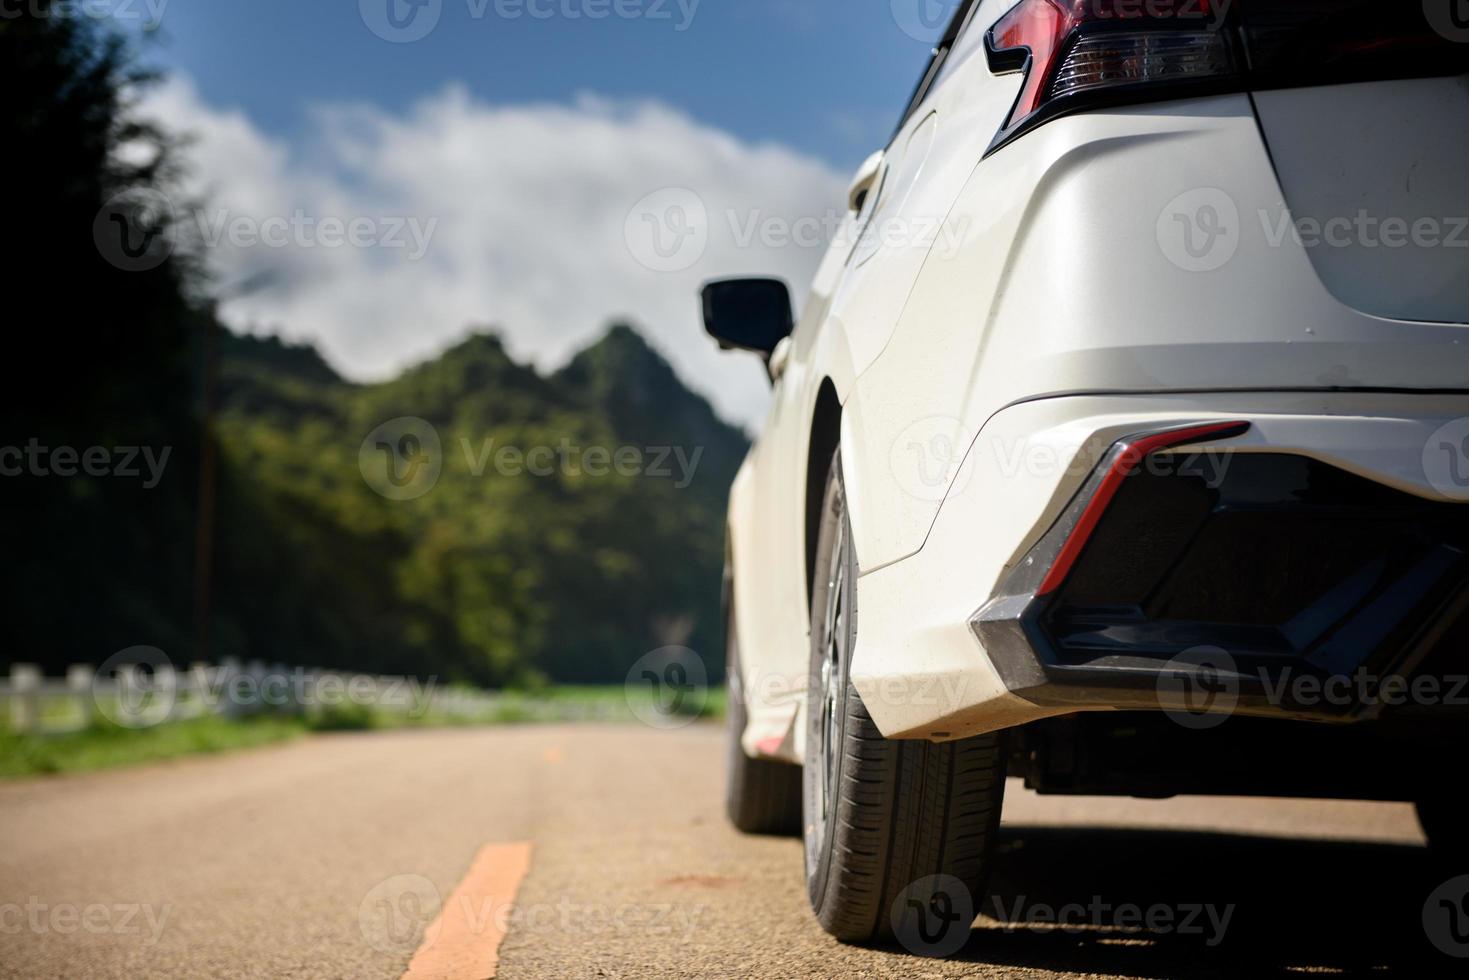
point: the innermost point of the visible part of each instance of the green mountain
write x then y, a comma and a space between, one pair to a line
576, 522
254, 530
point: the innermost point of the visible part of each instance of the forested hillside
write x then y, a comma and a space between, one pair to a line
168, 484
558, 566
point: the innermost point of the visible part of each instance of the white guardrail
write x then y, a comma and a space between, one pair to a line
134, 696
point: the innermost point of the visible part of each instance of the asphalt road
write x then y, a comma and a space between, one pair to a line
327, 858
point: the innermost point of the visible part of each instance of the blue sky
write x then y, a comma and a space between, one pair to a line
827, 77
540, 158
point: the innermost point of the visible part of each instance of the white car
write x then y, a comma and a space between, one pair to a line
1122, 445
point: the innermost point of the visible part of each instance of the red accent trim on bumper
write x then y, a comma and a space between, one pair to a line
1129, 457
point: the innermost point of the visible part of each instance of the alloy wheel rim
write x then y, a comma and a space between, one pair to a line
833, 660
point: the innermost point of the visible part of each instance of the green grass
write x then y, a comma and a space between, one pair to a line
104, 745
550, 705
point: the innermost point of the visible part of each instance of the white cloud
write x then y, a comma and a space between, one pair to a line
534, 227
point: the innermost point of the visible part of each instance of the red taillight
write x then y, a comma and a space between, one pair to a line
1032, 31
1077, 47
1084, 54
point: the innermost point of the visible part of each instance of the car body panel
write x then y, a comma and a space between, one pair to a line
1378, 149
917, 665
1108, 270
1010, 315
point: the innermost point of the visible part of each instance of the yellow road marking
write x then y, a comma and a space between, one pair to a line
463, 943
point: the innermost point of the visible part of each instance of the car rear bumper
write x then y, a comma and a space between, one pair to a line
1304, 556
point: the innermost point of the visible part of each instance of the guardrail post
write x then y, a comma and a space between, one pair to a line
224, 680
196, 686
256, 670
25, 698
159, 696
79, 678
166, 690
281, 690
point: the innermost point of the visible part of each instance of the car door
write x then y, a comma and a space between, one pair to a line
920, 180
873, 258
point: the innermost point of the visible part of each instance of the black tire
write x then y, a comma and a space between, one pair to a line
760, 796
888, 824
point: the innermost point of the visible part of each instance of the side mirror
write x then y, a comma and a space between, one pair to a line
748, 314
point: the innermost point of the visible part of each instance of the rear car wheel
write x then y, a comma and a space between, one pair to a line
899, 834
761, 796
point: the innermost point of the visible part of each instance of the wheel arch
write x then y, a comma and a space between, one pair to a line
826, 428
